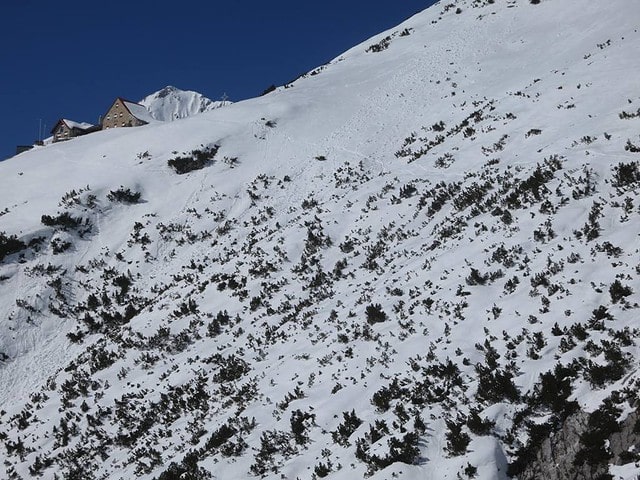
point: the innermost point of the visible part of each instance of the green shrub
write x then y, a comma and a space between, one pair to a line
124, 195
9, 245
220, 436
619, 291
64, 220
478, 425
380, 46
626, 174
631, 147
300, 422
375, 314
196, 160
457, 440
349, 425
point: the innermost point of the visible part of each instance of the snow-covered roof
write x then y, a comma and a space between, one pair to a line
139, 111
73, 124
80, 125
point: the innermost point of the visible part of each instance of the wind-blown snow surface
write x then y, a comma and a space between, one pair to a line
171, 103
376, 254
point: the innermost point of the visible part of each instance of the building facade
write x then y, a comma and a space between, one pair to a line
67, 129
124, 113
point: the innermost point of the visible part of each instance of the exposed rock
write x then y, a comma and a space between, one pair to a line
622, 442
556, 456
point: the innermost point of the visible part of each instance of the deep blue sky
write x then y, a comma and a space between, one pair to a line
71, 59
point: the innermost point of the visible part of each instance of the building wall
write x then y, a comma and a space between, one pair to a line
62, 132
119, 116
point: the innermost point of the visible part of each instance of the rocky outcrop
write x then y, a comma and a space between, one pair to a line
621, 442
556, 457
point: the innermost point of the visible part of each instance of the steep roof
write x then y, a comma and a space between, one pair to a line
138, 111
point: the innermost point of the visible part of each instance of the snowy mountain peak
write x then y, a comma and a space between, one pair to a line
167, 91
171, 103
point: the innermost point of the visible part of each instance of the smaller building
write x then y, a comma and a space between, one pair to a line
124, 113
66, 129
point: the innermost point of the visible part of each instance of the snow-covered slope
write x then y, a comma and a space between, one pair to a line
417, 261
171, 103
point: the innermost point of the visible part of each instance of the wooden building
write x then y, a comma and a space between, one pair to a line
66, 129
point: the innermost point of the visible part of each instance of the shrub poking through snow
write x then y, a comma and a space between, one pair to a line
196, 160
124, 195
349, 425
380, 46
9, 245
64, 220
375, 314
626, 175
619, 291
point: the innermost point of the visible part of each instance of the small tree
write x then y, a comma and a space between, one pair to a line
300, 422
626, 174
477, 278
196, 160
9, 245
64, 220
619, 291
375, 314
349, 425
457, 440
124, 195
404, 450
